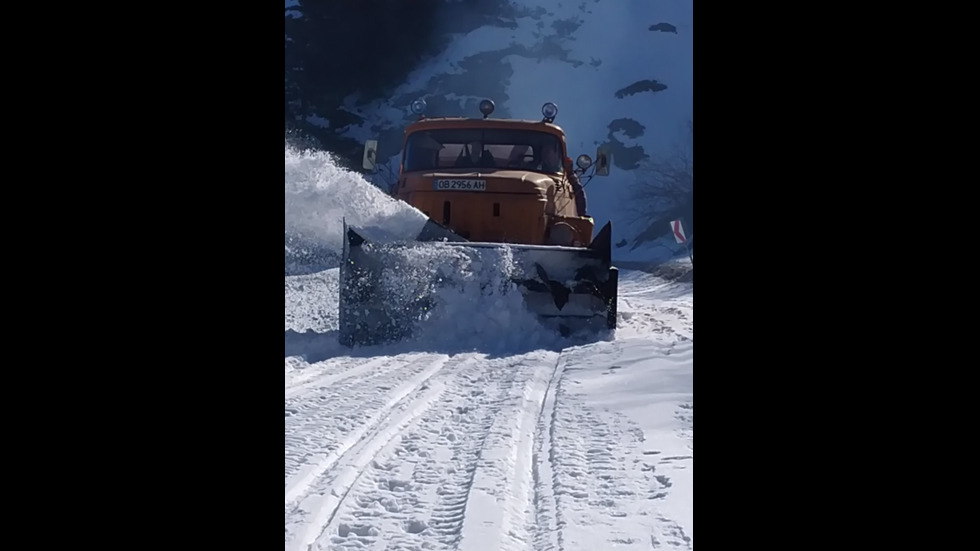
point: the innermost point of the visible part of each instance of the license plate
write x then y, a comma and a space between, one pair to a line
461, 185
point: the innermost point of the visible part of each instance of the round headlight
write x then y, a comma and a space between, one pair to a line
418, 106
550, 111
486, 107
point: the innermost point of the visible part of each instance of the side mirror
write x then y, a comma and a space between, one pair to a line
370, 161
603, 158
583, 162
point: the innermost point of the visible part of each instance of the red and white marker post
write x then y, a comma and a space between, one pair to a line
677, 228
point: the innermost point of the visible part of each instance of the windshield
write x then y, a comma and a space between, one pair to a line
483, 148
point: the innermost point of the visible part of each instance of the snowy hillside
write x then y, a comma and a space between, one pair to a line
620, 71
486, 432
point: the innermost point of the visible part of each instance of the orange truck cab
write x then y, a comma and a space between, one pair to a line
494, 180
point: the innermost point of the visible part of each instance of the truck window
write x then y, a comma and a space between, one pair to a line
510, 149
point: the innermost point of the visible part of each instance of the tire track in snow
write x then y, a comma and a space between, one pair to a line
316, 424
317, 512
501, 504
419, 491
461, 438
330, 373
547, 518
411, 496
322, 429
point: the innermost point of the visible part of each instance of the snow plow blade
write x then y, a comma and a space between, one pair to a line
388, 287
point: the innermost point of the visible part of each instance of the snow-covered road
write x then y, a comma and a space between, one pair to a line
588, 447
486, 434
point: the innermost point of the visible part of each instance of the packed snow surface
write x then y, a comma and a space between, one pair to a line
485, 431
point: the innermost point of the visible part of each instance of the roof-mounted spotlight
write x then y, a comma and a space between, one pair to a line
550, 111
418, 106
486, 107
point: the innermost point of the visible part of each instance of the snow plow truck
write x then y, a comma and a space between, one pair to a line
493, 203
